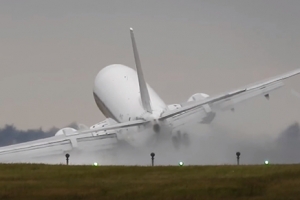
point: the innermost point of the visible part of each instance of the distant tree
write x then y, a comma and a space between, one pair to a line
11, 135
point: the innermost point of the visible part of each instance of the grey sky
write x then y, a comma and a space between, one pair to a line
51, 51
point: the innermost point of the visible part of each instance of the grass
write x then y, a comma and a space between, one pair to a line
32, 181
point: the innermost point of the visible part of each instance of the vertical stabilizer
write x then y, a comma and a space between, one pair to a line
142, 83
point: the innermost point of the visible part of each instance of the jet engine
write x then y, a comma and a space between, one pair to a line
65, 131
70, 131
198, 96
210, 115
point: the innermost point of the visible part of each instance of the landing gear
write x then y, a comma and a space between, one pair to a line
185, 140
267, 96
180, 139
175, 142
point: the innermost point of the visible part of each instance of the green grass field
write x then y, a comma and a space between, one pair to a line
118, 182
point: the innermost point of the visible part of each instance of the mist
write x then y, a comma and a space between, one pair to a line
211, 144
216, 146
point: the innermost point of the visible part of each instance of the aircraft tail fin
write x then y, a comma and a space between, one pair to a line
142, 83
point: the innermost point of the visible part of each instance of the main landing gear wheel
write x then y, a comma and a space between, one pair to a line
185, 139
175, 142
180, 139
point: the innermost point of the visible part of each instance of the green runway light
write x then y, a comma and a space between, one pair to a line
266, 162
95, 164
181, 163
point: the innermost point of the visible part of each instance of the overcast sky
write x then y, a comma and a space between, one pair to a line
51, 51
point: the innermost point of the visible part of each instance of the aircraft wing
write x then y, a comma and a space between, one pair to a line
115, 126
60, 144
234, 97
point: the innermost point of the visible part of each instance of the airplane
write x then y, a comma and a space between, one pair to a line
136, 114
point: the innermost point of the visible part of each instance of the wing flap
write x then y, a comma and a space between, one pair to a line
115, 126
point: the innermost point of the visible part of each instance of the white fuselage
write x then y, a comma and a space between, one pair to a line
117, 94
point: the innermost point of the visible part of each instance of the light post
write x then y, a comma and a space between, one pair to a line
152, 158
238, 157
67, 158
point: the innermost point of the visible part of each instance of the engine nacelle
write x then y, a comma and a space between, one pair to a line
210, 115
198, 96
65, 131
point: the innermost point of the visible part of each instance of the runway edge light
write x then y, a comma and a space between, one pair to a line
266, 162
